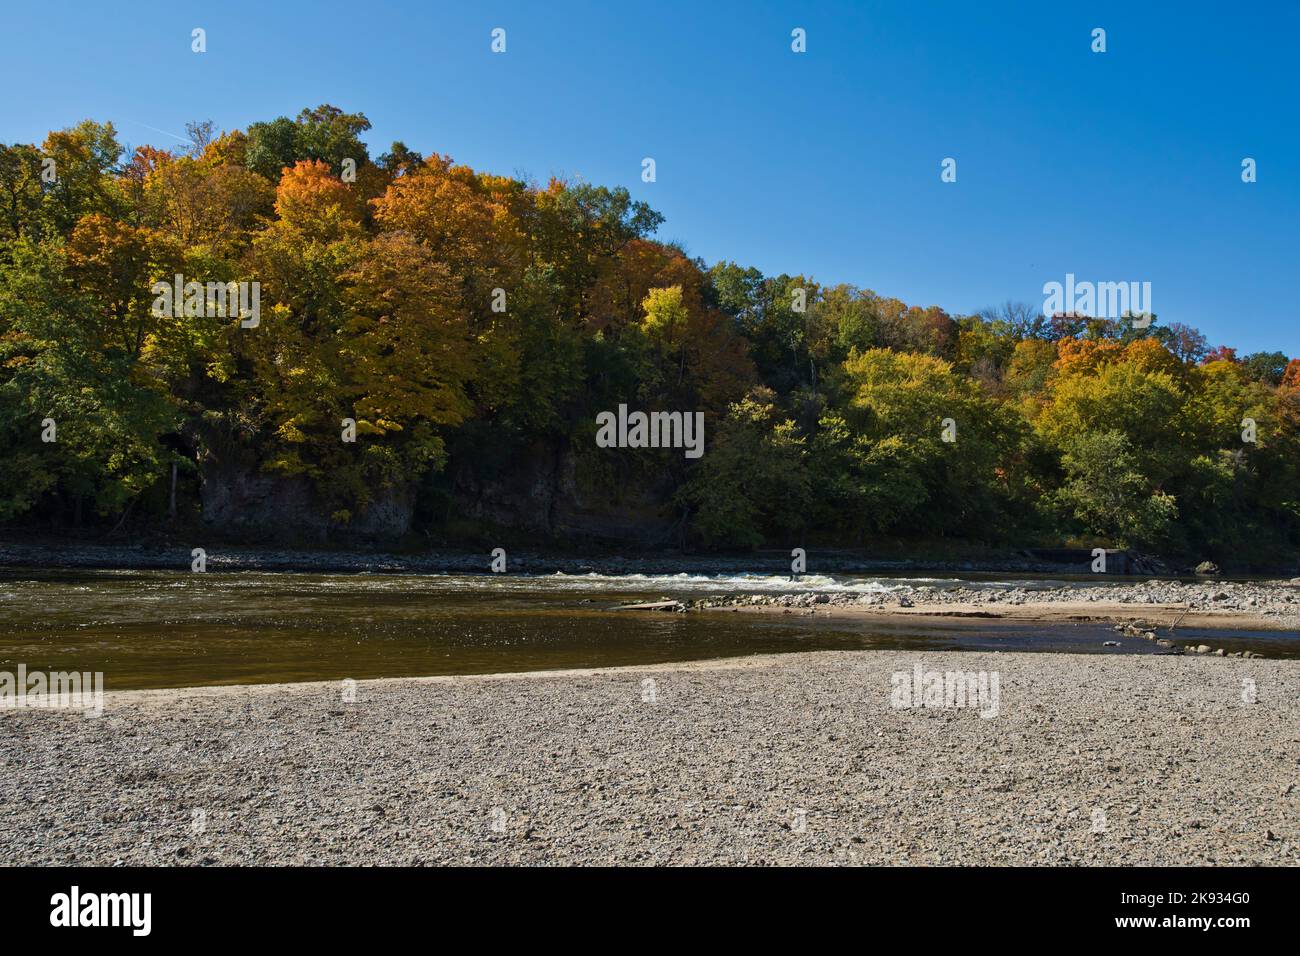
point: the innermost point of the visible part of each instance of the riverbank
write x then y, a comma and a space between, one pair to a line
80, 554
789, 759
1145, 606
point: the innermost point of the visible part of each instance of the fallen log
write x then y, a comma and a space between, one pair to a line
654, 606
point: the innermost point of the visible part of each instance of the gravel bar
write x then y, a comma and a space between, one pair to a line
1268, 605
785, 759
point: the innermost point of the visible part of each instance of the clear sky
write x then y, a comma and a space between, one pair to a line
1116, 167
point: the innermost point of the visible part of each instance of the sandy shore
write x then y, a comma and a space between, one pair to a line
791, 759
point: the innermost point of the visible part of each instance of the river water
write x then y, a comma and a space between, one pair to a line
148, 629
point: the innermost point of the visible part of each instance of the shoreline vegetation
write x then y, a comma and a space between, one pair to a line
433, 348
799, 758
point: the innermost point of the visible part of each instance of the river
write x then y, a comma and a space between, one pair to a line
149, 629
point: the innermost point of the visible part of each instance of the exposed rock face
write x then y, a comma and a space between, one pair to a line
543, 494
546, 495
388, 516
240, 502
260, 507
1207, 567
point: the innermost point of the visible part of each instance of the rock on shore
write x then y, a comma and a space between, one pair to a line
1275, 602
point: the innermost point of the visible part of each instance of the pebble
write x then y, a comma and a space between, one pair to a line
579, 769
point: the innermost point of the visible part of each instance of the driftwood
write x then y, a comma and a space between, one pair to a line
653, 606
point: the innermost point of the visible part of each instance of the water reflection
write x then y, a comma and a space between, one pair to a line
162, 629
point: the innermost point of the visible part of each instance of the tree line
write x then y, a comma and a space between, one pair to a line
466, 322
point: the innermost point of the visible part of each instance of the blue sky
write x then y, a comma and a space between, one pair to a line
1115, 167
